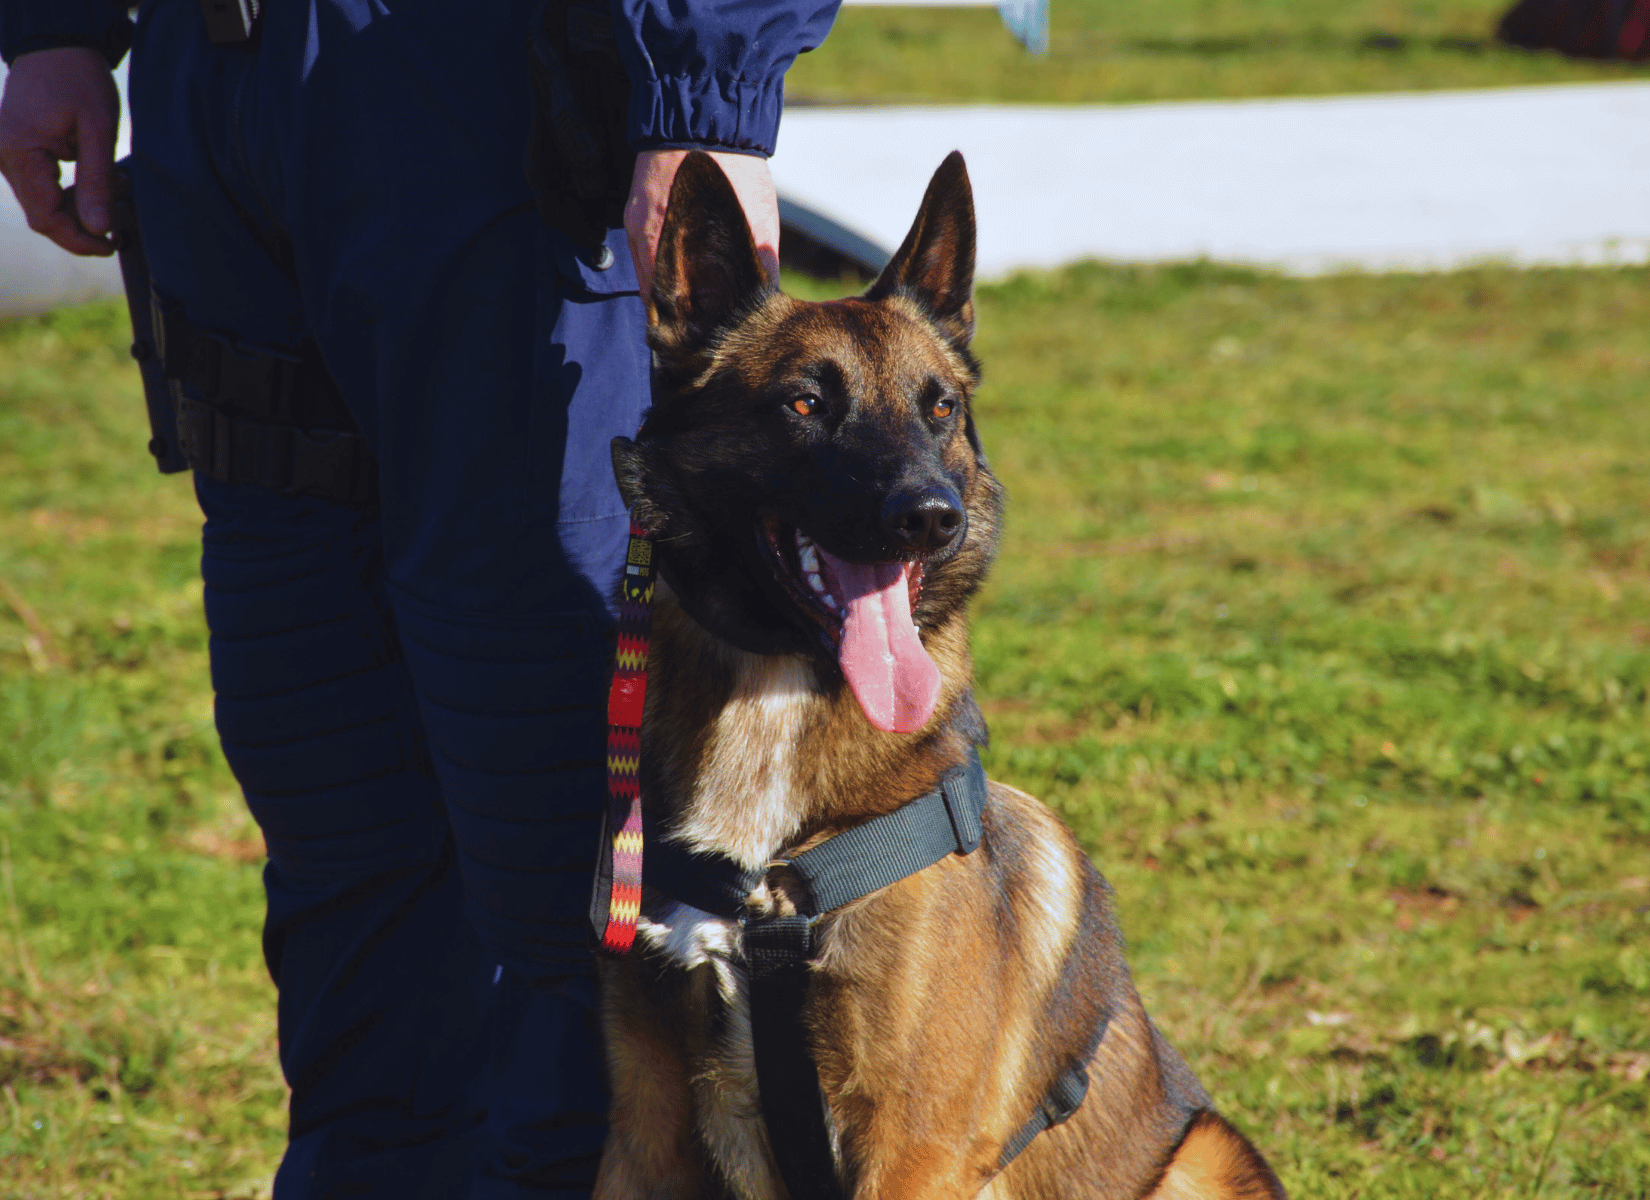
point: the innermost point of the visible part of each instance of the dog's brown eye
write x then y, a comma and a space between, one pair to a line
942, 409
803, 406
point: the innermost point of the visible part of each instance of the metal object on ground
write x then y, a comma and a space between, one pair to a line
820, 245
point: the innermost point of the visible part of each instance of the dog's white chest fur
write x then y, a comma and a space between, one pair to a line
747, 803
747, 800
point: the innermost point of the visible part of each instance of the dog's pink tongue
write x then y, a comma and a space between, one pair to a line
894, 680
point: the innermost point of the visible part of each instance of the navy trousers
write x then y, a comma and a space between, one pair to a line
409, 694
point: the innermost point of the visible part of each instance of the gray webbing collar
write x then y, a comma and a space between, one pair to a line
854, 863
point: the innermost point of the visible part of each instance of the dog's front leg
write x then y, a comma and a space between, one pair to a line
652, 1152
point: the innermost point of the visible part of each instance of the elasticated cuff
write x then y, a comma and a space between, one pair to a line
682, 112
30, 25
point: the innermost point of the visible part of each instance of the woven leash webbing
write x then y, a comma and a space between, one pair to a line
625, 701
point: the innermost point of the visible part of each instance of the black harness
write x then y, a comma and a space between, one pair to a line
779, 952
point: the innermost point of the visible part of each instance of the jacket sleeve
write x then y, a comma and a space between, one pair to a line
101, 25
710, 74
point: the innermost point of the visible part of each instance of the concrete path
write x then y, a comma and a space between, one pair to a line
1423, 180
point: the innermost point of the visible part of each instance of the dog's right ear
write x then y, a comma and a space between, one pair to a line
707, 268
935, 264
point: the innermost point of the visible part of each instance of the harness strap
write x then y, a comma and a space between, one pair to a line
1056, 1107
778, 953
712, 883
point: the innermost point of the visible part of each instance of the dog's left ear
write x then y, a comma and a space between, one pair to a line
707, 268
935, 265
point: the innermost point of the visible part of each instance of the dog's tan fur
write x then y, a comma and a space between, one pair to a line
941, 1007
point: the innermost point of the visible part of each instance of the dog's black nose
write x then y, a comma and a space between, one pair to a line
923, 519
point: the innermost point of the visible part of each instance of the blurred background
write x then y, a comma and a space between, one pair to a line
1317, 345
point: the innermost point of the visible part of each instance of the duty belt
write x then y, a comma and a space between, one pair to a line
276, 421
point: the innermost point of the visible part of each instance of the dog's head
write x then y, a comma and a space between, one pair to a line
811, 472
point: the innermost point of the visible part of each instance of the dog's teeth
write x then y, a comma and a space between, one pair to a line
815, 582
810, 559
831, 600
803, 541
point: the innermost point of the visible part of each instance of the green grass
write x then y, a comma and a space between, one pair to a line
136, 1020
1108, 50
1321, 616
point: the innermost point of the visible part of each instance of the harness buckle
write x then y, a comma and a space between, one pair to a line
779, 945
1067, 1095
808, 907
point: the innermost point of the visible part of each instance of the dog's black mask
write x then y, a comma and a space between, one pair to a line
782, 429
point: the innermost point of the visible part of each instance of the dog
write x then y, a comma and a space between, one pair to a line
821, 512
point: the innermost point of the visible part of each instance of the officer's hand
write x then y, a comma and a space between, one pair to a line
644, 213
62, 105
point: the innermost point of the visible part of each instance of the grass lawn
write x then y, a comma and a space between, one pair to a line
1109, 50
136, 1020
1321, 616
1323, 619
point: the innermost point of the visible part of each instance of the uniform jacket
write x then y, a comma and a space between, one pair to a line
705, 74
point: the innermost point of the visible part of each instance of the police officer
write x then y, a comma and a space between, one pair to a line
397, 384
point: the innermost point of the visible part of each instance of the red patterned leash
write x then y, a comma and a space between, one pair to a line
625, 701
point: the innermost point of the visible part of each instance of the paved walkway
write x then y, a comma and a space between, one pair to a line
1419, 180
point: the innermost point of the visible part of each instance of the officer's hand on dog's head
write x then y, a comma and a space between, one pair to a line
644, 214
61, 105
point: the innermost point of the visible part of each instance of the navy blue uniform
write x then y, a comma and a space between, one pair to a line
411, 695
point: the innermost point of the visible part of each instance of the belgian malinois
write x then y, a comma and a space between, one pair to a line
822, 511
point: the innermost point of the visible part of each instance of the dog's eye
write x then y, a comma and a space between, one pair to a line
803, 406
942, 408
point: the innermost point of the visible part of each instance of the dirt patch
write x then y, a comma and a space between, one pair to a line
215, 844
1417, 904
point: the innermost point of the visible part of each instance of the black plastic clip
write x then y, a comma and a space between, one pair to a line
229, 22
964, 790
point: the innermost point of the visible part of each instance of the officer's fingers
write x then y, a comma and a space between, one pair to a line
753, 184
58, 104
644, 212
33, 178
650, 197
94, 170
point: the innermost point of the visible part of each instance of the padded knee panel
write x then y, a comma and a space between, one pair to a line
512, 711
